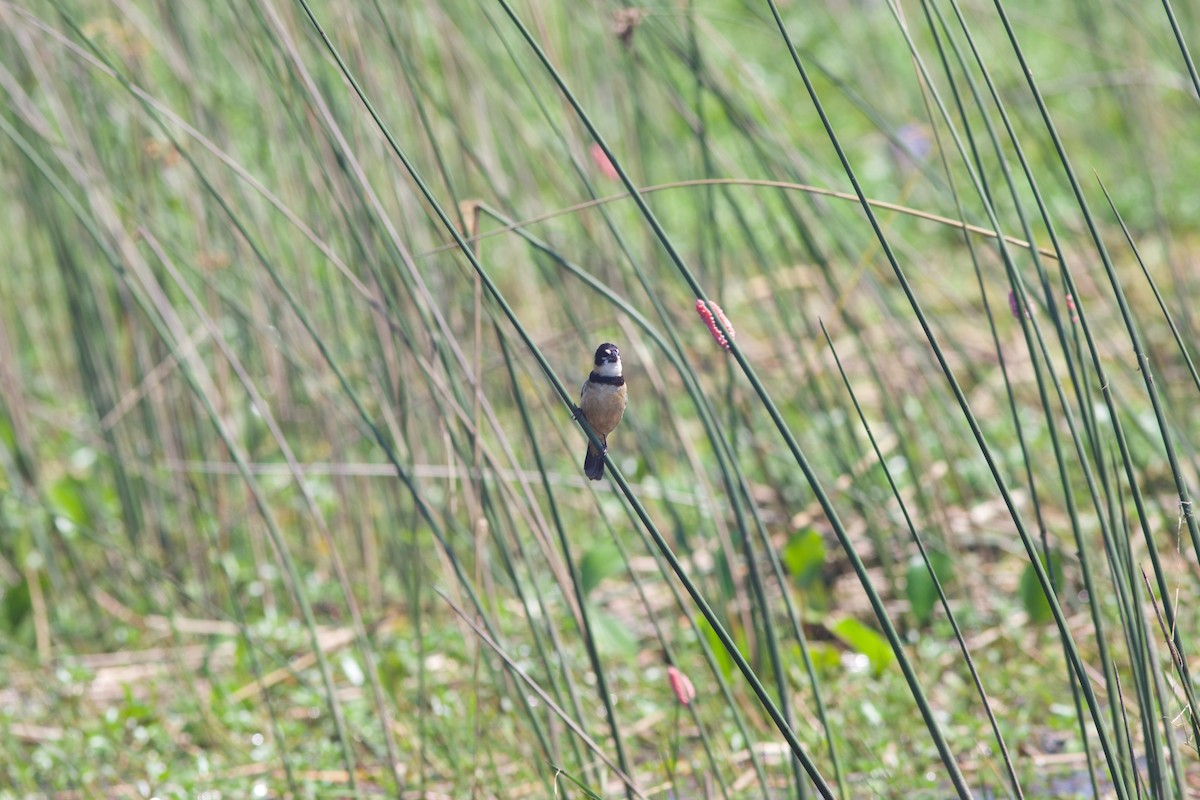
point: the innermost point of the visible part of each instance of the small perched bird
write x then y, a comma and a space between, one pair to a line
602, 402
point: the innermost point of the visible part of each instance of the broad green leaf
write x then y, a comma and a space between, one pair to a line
393, 670
804, 557
817, 601
724, 573
825, 657
919, 586
724, 660
17, 605
1033, 599
602, 561
66, 497
613, 637
866, 640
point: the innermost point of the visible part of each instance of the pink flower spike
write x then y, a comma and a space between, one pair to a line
707, 316
1015, 308
681, 685
603, 163
1071, 308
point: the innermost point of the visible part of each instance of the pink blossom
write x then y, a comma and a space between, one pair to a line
707, 316
603, 163
681, 685
1071, 309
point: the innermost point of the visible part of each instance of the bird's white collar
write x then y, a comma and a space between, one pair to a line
608, 369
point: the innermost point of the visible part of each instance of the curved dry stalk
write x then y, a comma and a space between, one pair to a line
979, 230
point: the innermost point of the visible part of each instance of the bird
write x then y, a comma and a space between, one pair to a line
602, 402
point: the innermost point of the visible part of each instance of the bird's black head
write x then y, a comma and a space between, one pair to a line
607, 353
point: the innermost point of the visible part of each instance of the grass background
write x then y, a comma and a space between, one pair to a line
297, 299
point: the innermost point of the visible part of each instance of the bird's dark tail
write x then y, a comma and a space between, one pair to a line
593, 463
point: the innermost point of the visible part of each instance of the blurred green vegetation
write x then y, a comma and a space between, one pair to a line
290, 506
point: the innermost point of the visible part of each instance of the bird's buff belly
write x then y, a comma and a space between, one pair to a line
603, 406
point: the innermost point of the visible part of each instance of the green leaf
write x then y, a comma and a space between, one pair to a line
613, 637
866, 640
826, 660
602, 561
919, 586
804, 557
824, 657
724, 660
393, 670
817, 601
724, 574
17, 605
66, 498
1033, 599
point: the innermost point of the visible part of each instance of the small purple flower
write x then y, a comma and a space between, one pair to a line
1015, 307
913, 145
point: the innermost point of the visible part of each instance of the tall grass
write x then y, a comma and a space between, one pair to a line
298, 300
